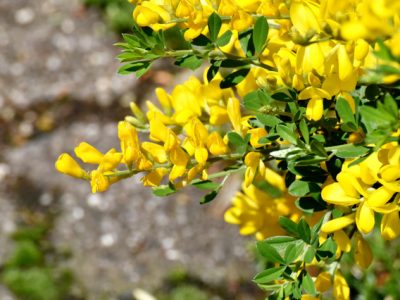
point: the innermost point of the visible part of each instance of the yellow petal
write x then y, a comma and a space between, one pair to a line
390, 226
342, 240
379, 197
216, 145
155, 177
67, 165
338, 223
98, 181
365, 218
390, 173
201, 155
315, 109
156, 151
233, 109
363, 253
88, 154
345, 65
323, 282
341, 290
110, 160
335, 194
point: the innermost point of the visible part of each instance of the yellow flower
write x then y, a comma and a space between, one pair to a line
67, 165
315, 106
363, 253
88, 154
256, 135
341, 290
323, 282
234, 114
156, 151
390, 225
129, 142
252, 161
98, 181
305, 17
148, 13
216, 144
155, 177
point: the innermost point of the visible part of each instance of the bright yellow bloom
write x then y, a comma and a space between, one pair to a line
363, 253
88, 154
129, 142
341, 290
67, 165
323, 282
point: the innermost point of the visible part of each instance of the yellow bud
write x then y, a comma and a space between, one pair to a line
67, 165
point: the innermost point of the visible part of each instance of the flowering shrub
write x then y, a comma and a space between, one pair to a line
301, 97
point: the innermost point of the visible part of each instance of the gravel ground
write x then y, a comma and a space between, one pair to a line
124, 238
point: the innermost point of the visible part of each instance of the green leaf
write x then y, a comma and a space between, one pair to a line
139, 68
280, 96
270, 253
311, 204
301, 188
304, 231
327, 249
268, 120
304, 131
244, 40
287, 134
318, 148
256, 100
260, 33
163, 190
189, 61
351, 151
309, 255
293, 251
391, 105
209, 197
206, 185
374, 118
224, 39
202, 41
233, 63
308, 284
214, 26
234, 78
346, 114
238, 142
212, 72
288, 225
269, 275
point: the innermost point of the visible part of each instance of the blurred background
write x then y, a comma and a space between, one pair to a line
58, 86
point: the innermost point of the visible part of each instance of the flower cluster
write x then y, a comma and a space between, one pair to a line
301, 97
369, 188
